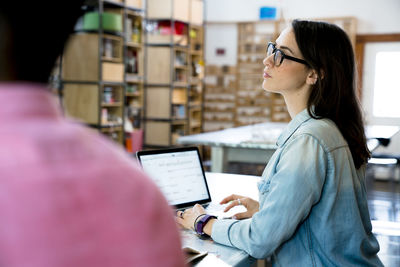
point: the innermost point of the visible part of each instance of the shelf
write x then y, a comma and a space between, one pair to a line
181, 67
134, 7
181, 48
217, 90
136, 94
179, 121
117, 104
195, 124
134, 45
105, 32
214, 110
195, 105
218, 120
196, 53
179, 42
136, 106
251, 116
111, 59
133, 78
110, 128
180, 84
220, 101
113, 3
133, 11
166, 19
169, 45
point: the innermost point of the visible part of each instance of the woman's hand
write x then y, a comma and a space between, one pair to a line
251, 205
187, 217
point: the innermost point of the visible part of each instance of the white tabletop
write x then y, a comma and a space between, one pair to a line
262, 135
265, 135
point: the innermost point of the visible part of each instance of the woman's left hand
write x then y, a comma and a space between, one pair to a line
187, 217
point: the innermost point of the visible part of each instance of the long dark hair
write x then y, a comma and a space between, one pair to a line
328, 51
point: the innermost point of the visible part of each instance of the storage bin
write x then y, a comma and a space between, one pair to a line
111, 21
167, 9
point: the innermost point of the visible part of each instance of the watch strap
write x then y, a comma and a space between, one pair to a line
202, 222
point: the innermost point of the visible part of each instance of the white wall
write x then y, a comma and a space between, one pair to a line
373, 17
221, 36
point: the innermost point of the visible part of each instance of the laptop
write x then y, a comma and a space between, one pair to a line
179, 174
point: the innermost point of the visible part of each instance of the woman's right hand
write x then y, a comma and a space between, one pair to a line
251, 205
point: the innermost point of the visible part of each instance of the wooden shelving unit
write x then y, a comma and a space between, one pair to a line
102, 69
174, 70
134, 72
219, 98
253, 104
196, 73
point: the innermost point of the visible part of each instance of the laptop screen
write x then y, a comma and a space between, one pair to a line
178, 173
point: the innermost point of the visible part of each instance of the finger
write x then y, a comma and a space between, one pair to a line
231, 205
179, 220
244, 201
198, 208
230, 198
241, 215
236, 202
179, 213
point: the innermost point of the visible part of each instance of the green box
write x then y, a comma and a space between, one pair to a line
111, 21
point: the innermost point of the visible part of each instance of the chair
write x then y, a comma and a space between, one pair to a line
383, 161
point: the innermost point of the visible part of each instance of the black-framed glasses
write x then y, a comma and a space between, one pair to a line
279, 55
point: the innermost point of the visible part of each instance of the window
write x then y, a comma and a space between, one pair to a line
381, 83
386, 98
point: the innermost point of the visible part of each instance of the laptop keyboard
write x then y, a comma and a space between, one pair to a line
218, 210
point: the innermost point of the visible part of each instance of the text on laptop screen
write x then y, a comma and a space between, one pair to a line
179, 175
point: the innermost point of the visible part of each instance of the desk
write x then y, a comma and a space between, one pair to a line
220, 186
252, 144
256, 143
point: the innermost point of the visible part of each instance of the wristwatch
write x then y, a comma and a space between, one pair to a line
202, 222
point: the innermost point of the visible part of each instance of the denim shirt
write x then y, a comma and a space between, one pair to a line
313, 203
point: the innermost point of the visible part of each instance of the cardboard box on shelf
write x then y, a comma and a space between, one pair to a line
134, 3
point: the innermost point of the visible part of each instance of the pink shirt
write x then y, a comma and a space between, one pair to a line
69, 197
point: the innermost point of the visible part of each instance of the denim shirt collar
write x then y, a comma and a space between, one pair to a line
293, 125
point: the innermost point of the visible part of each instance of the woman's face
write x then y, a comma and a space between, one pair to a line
290, 76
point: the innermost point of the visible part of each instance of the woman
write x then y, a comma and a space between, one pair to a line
312, 208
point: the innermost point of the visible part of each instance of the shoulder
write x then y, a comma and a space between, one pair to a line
87, 182
324, 131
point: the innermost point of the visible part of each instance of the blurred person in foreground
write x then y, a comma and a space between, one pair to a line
68, 196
